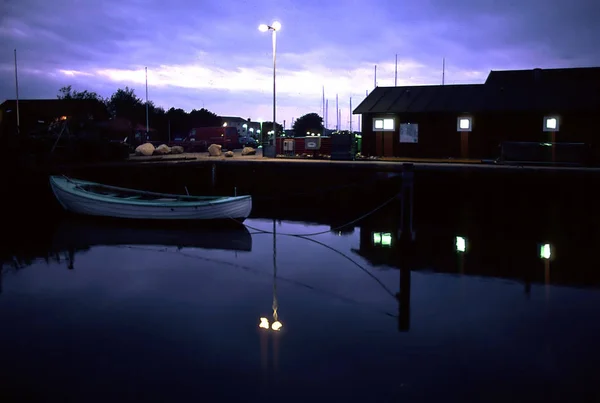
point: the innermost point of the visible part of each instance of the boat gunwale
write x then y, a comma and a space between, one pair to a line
75, 189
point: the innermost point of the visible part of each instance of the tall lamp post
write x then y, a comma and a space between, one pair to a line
275, 26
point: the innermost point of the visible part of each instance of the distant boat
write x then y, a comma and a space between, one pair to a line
94, 199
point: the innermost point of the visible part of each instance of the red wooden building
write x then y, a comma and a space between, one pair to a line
471, 121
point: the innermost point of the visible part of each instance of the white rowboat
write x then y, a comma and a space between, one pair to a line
89, 198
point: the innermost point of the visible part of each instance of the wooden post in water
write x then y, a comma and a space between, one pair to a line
407, 193
404, 294
213, 175
406, 247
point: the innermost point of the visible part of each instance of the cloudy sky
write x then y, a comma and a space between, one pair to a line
210, 53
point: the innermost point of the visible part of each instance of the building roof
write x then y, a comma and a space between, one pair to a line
424, 98
553, 77
234, 119
512, 90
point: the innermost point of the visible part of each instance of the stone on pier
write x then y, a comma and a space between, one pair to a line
162, 149
214, 150
248, 151
146, 149
177, 150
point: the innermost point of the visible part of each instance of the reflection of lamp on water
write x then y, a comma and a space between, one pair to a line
546, 256
383, 239
264, 322
461, 249
276, 325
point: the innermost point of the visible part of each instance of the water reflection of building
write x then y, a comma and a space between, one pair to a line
480, 248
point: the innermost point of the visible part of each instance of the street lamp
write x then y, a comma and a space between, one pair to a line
275, 26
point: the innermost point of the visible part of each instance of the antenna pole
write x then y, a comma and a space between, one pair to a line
375, 80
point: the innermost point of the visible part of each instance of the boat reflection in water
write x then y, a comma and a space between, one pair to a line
79, 234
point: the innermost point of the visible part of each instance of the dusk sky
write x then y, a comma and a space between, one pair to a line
211, 54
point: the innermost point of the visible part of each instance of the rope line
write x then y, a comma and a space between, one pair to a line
364, 269
255, 271
258, 230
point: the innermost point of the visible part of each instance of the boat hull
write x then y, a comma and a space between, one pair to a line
72, 200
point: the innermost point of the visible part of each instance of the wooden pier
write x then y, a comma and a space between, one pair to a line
369, 165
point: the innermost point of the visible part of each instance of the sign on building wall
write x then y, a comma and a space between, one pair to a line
409, 133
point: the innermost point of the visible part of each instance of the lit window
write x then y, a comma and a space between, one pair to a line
382, 239
464, 124
551, 123
461, 244
383, 124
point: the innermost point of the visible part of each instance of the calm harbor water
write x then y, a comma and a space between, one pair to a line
477, 302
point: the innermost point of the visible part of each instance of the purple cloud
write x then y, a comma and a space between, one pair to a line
211, 54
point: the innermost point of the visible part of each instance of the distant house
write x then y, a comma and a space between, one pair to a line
32, 112
245, 127
450, 121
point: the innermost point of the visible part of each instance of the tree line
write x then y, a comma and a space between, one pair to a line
125, 104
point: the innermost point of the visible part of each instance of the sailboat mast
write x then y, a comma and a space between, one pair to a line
350, 114
396, 72
323, 104
337, 116
147, 118
443, 70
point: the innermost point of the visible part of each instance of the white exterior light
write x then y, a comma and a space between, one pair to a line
551, 123
545, 251
384, 124
464, 124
